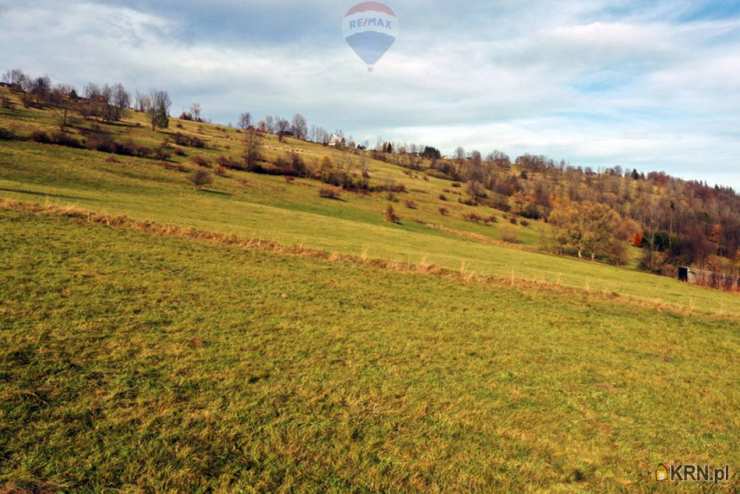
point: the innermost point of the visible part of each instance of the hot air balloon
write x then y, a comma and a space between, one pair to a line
370, 29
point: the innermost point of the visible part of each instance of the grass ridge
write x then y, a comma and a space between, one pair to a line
424, 268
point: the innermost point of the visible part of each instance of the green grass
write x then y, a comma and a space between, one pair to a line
137, 363
131, 362
251, 205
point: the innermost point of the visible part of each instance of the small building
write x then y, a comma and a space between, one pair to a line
336, 141
686, 275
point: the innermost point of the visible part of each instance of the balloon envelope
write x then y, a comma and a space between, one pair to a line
370, 29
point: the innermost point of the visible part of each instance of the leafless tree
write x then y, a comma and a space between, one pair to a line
245, 120
195, 111
252, 147
299, 126
159, 111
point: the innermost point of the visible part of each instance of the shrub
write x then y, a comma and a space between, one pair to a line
510, 236
391, 216
7, 135
513, 220
227, 162
189, 141
6, 103
473, 218
41, 137
410, 204
201, 161
390, 196
163, 152
221, 171
327, 193
201, 178
442, 197
457, 185
64, 139
444, 211
524, 223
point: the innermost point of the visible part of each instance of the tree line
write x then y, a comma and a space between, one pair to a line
595, 214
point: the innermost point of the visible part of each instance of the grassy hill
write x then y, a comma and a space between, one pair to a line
150, 342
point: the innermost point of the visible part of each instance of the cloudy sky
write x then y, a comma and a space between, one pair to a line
645, 84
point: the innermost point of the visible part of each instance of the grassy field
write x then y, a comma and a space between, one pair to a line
132, 362
138, 356
258, 206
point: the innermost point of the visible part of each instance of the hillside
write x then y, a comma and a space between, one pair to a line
262, 206
252, 336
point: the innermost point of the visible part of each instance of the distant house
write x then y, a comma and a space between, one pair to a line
335, 141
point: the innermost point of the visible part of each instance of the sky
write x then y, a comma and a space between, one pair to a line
652, 85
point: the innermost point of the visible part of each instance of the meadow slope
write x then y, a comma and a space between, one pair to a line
132, 362
260, 206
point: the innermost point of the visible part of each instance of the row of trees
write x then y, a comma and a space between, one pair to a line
676, 222
297, 127
108, 102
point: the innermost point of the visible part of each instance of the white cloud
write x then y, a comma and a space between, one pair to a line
630, 89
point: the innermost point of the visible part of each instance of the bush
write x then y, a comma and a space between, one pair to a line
411, 204
201, 178
524, 223
473, 218
513, 220
442, 197
201, 161
391, 197
510, 236
64, 139
189, 141
59, 138
6, 103
7, 135
41, 137
163, 152
221, 171
227, 162
327, 193
444, 211
391, 216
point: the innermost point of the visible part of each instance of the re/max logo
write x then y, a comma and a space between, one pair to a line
693, 473
370, 22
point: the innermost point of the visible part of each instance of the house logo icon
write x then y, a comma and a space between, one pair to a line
661, 473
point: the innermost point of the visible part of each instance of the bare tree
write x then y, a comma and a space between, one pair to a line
15, 78
121, 101
143, 102
195, 111
159, 111
270, 123
282, 127
299, 126
252, 147
245, 120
